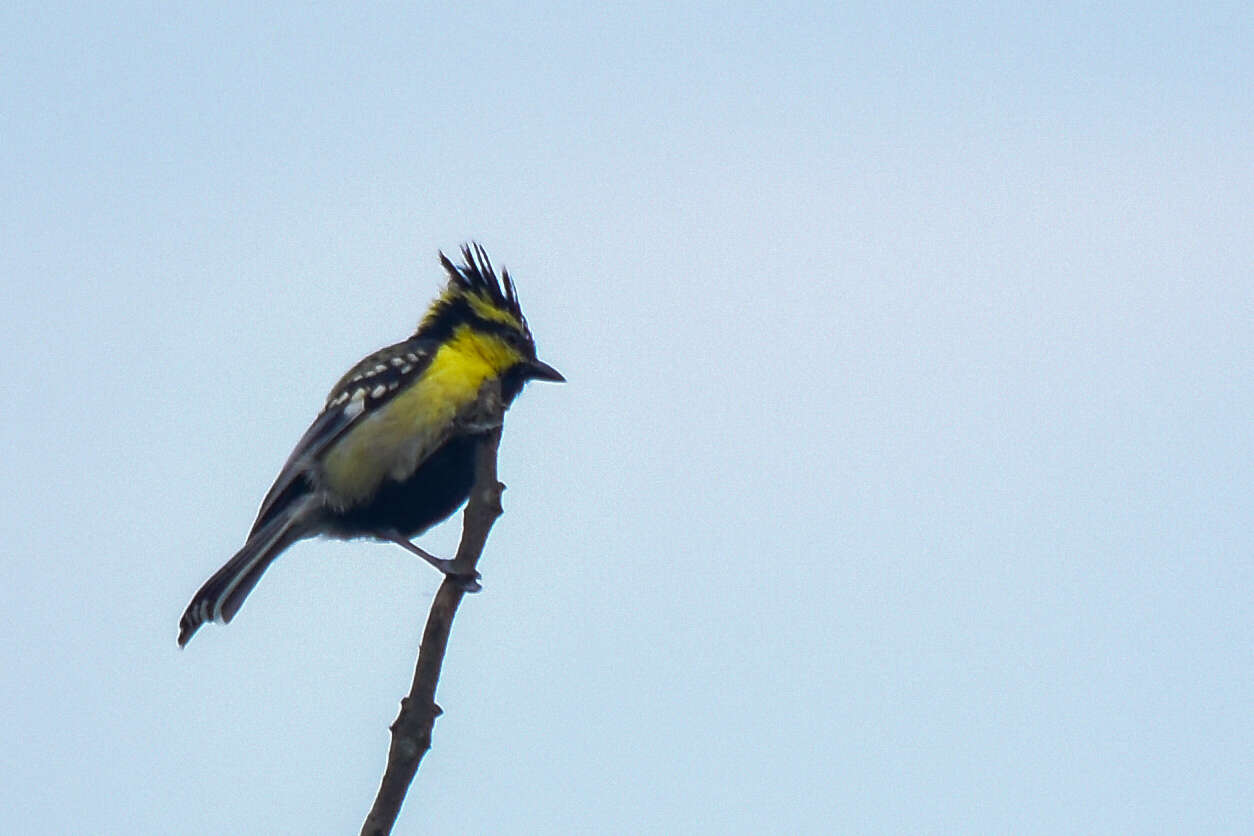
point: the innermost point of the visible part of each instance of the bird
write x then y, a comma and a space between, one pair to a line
392, 452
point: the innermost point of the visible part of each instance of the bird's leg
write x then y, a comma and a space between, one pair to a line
438, 562
469, 583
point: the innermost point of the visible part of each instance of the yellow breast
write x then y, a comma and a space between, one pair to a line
392, 441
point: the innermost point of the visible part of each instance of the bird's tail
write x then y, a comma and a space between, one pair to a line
221, 596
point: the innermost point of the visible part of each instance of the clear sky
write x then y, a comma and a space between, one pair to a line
902, 482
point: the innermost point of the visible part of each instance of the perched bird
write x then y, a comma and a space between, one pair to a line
392, 452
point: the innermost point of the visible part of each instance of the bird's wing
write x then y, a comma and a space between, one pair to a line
366, 387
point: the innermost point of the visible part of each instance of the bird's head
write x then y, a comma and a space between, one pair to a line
477, 313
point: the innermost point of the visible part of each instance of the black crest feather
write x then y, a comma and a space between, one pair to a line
470, 283
477, 276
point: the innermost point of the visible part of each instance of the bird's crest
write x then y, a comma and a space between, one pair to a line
473, 291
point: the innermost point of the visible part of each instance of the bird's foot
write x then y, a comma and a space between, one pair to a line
468, 583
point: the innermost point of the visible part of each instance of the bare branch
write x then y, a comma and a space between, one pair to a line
411, 733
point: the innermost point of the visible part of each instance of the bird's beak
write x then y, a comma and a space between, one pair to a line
543, 371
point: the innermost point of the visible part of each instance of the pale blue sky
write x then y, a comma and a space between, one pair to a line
902, 481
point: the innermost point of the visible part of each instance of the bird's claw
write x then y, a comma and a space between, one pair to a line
468, 583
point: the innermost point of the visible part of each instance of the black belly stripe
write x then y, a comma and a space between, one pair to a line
437, 488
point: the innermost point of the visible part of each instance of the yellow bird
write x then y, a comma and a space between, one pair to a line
391, 454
